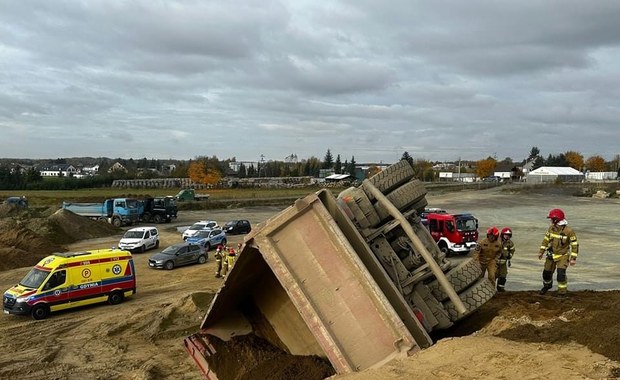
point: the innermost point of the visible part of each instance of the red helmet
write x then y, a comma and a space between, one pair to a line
493, 231
506, 231
556, 213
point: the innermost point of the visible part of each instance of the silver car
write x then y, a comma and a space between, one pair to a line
177, 255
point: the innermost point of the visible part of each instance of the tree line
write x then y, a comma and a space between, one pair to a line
209, 170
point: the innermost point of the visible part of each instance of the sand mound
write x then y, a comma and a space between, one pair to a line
26, 239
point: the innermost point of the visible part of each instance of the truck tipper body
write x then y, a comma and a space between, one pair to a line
356, 280
118, 211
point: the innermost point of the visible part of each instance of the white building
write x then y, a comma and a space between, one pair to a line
551, 174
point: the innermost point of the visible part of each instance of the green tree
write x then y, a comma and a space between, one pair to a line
407, 157
534, 152
328, 161
351, 167
338, 165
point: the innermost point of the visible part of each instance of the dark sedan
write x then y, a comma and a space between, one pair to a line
177, 255
237, 227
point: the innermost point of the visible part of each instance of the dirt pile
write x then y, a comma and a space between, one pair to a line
26, 236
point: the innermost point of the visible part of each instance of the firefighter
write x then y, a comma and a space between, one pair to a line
487, 251
229, 259
560, 246
508, 250
218, 260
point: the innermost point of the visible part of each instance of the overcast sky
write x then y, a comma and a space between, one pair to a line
370, 79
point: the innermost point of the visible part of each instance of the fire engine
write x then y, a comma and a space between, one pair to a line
454, 233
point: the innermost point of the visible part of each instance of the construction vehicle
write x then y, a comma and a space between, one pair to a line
355, 280
117, 211
455, 234
190, 195
158, 209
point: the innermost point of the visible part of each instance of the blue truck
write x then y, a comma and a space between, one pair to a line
117, 211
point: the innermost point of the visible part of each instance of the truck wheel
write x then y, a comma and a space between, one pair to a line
360, 206
115, 298
156, 219
461, 276
443, 247
473, 297
146, 217
40, 312
403, 197
390, 178
116, 222
202, 259
169, 265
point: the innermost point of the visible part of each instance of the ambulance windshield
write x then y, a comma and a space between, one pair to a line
34, 278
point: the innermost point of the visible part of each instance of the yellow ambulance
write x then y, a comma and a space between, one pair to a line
71, 279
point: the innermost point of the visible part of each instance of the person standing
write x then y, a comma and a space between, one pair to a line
487, 251
218, 260
561, 247
508, 250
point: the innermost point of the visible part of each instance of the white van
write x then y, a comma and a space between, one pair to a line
140, 239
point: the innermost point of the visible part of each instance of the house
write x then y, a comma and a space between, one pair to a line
117, 167
57, 170
551, 174
91, 170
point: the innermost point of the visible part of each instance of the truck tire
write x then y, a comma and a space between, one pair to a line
40, 312
473, 297
390, 178
403, 197
461, 276
359, 204
115, 298
146, 217
117, 222
156, 218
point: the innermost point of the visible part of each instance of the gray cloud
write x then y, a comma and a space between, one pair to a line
366, 79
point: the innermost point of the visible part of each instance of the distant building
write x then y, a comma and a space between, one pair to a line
57, 170
117, 167
550, 174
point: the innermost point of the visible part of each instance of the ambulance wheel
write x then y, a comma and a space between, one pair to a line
202, 259
40, 312
169, 265
115, 298
156, 218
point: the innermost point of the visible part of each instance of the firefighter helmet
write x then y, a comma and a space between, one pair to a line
556, 214
493, 231
506, 231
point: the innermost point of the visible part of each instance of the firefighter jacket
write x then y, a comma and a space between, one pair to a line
487, 251
560, 241
508, 249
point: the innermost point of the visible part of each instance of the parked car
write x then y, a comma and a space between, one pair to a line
208, 238
139, 239
177, 255
234, 227
203, 224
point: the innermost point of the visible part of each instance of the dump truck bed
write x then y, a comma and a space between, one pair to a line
307, 283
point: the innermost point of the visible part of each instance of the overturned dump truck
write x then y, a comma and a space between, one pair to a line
354, 280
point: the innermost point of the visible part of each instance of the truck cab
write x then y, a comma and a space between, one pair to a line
454, 233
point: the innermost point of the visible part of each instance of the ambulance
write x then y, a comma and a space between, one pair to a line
72, 279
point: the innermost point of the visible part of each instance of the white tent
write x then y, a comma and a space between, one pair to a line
550, 174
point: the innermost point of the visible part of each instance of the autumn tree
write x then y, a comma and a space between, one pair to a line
574, 159
486, 167
372, 170
595, 164
205, 170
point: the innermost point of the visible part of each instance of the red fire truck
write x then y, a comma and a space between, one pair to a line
454, 233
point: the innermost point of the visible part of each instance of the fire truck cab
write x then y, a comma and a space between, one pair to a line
455, 234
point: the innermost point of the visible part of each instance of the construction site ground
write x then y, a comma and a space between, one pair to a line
516, 335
